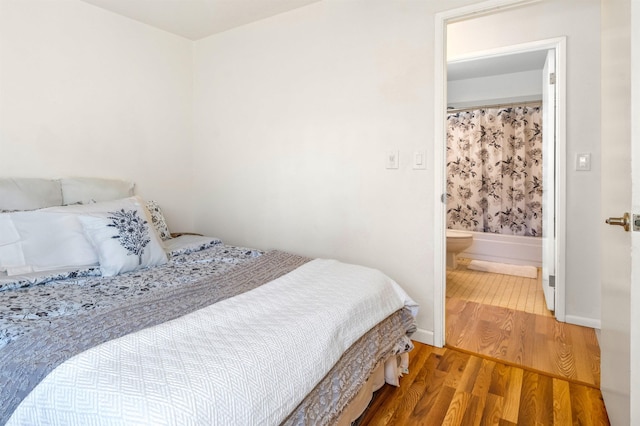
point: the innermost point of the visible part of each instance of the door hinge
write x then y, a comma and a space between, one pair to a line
552, 278
443, 198
552, 78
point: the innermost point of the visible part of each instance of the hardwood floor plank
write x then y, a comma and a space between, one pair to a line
587, 406
457, 409
511, 407
543, 329
499, 380
475, 408
518, 351
544, 400
528, 408
580, 406
437, 412
492, 410
469, 375
561, 403
483, 379
596, 406
583, 366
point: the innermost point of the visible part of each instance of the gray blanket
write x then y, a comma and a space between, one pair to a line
30, 356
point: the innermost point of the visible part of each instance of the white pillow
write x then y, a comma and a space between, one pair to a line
87, 190
8, 232
11, 258
124, 240
100, 207
29, 193
48, 240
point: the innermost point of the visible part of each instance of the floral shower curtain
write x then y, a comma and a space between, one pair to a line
494, 170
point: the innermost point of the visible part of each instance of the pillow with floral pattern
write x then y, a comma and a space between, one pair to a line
123, 240
158, 221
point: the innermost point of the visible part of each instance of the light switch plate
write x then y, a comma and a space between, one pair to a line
419, 160
583, 162
393, 159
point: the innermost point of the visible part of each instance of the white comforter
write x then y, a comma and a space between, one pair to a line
248, 360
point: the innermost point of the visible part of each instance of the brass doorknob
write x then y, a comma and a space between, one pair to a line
624, 221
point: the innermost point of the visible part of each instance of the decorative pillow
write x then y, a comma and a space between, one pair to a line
157, 219
124, 240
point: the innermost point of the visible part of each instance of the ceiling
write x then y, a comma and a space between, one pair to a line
497, 65
196, 19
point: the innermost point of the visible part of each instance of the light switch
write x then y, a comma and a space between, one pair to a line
393, 159
419, 160
583, 162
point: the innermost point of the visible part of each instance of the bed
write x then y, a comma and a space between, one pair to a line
105, 318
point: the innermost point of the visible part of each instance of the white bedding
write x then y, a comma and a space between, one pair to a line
231, 363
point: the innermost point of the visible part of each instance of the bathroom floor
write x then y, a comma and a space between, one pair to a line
506, 291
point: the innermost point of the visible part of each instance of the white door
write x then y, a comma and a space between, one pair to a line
620, 382
548, 179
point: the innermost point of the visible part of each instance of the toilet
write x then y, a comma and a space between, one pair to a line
457, 242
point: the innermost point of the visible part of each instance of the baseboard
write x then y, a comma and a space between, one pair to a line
585, 322
423, 336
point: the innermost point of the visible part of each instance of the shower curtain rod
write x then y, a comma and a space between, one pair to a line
512, 104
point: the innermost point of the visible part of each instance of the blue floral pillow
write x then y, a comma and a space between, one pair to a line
123, 240
157, 219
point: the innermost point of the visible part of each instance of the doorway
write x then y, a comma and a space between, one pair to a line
556, 48
500, 163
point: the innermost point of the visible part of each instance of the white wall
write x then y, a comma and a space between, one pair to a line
294, 115
85, 92
579, 20
495, 89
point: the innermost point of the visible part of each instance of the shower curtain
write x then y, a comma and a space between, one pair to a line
494, 170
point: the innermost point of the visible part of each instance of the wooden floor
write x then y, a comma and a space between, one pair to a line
507, 291
533, 342
507, 362
449, 387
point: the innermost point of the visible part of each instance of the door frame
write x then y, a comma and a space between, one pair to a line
440, 98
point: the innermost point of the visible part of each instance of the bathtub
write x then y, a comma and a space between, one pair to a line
512, 249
